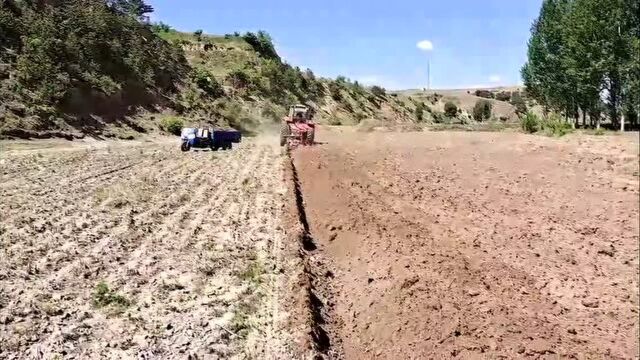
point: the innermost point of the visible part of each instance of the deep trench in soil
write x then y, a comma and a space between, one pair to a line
319, 277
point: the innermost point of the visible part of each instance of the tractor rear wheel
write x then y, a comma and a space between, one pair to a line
311, 135
285, 131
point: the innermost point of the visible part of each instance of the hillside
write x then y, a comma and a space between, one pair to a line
59, 78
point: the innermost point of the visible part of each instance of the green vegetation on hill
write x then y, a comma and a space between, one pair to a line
98, 67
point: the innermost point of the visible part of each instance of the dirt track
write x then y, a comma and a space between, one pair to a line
187, 244
489, 245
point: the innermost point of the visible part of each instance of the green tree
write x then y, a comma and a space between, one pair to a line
482, 110
450, 109
581, 49
261, 42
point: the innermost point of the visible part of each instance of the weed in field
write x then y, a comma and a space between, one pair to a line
50, 308
240, 323
253, 273
599, 131
103, 296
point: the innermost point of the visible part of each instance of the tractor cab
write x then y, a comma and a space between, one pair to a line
300, 113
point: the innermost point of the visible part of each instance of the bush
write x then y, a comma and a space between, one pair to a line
503, 96
172, 125
484, 94
239, 79
556, 126
420, 111
207, 83
198, 35
530, 123
482, 110
378, 91
519, 103
450, 109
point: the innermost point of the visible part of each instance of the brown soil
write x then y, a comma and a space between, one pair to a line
190, 246
474, 245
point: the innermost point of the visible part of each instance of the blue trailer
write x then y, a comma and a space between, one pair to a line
208, 138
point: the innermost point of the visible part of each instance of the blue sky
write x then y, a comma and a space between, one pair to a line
475, 43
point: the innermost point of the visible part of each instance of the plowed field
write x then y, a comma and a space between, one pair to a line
476, 245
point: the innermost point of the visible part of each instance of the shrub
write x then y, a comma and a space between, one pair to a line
519, 103
420, 111
556, 126
503, 96
198, 35
450, 109
103, 296
161, 27
172, 125
484, 94
438, 117
239, 79
378, 91
207, 83
530, 123
482, 110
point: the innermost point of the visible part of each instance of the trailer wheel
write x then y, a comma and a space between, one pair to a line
285, 131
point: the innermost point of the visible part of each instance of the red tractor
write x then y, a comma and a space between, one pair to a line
298, 127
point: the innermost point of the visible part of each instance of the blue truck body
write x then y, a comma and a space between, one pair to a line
209, 138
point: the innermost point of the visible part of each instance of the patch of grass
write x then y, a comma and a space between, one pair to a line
241, 321
252, 273
599, 131
103, 296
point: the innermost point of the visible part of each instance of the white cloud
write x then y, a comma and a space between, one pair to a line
425, 45
495, 79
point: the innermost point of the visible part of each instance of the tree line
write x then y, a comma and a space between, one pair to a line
584, 60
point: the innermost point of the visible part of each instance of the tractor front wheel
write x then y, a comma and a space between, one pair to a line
185, 146
285, 131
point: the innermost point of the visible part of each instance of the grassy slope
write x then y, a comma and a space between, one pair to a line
230, 53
